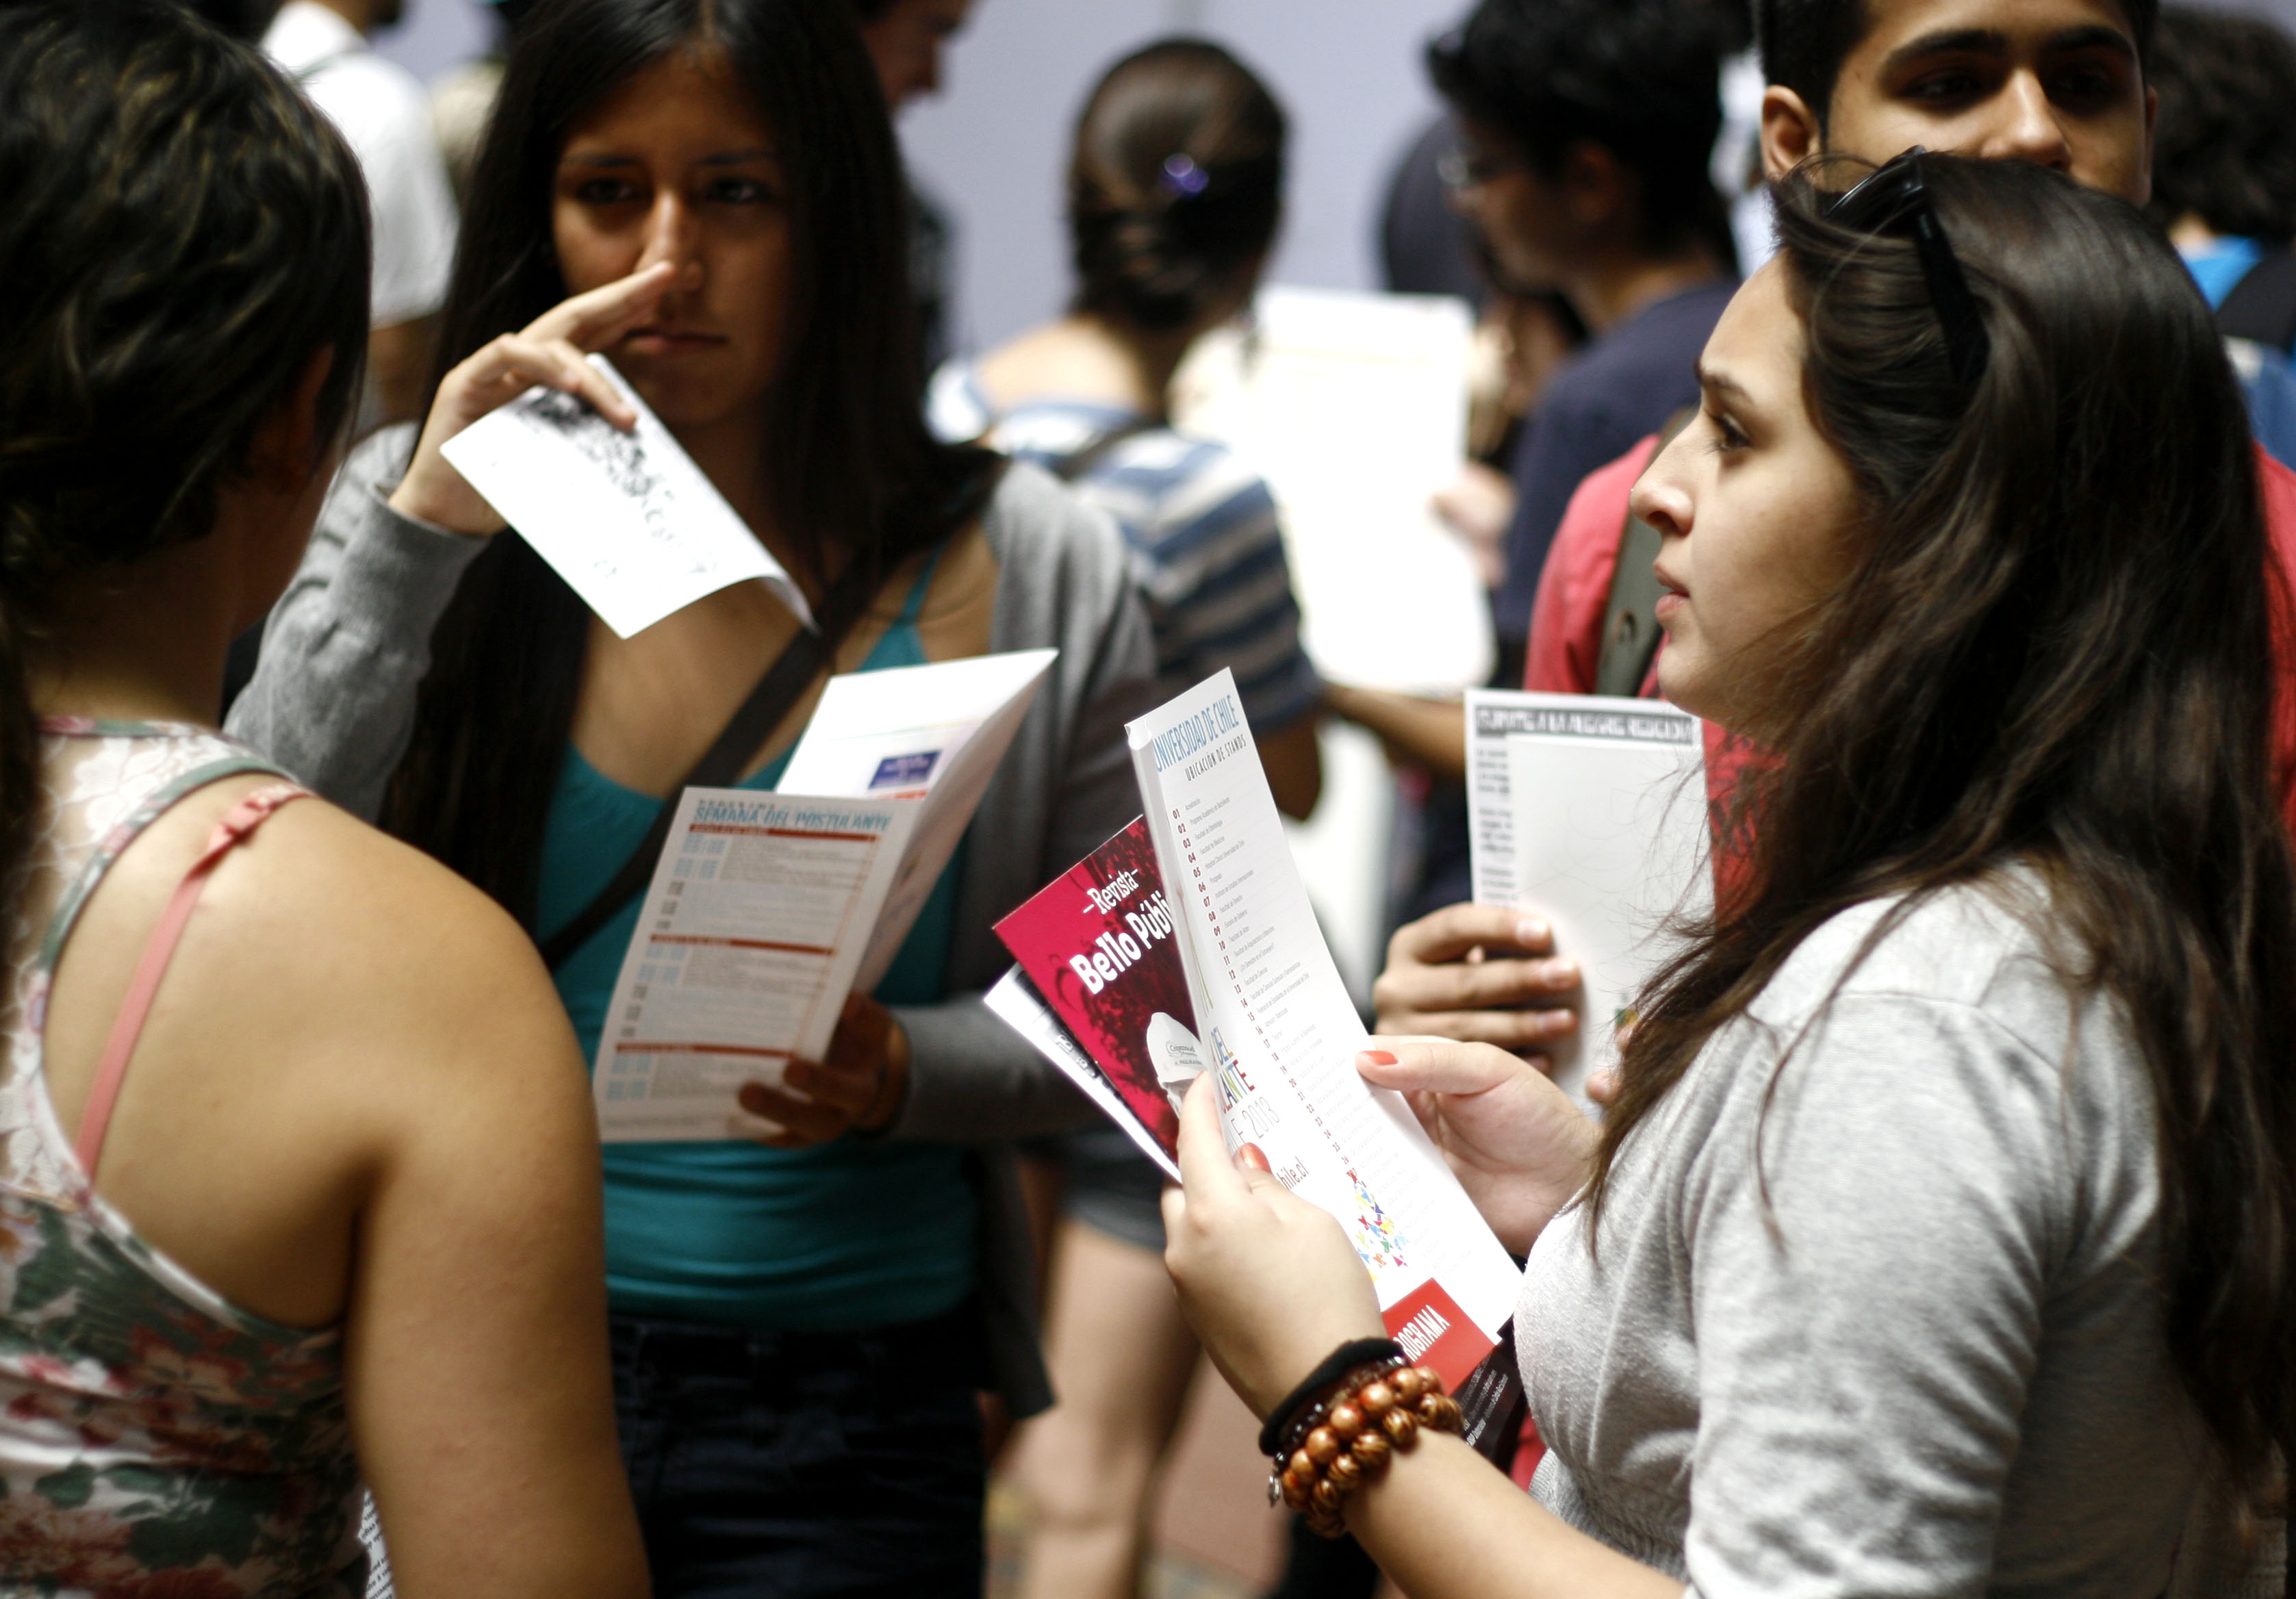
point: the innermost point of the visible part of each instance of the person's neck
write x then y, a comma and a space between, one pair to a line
358, 14
1139, 363
731, 454
145, 644
1611, 286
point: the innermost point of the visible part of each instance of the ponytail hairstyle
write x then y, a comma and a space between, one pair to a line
850, 463
1174, 185
180, 233
2056, 648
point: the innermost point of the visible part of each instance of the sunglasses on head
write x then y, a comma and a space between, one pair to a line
1894, 200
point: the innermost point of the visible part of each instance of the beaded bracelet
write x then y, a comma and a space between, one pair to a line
1351, 1440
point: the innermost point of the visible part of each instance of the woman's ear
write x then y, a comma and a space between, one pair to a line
287, 446
1791, 132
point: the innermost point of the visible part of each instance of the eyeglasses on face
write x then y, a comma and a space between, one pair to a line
1895, 201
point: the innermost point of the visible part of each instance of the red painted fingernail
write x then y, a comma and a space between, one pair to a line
1377, 1057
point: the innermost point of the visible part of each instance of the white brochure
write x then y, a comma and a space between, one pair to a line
627, 519
1592, 812
1275, 1022
748, 941
1354, 408
1015, 1001
934, 731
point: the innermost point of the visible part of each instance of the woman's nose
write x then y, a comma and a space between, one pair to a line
671, 236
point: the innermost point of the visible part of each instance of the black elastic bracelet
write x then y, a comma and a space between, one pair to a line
1337, 1365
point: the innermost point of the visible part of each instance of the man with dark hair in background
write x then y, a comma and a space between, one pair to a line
1587, 126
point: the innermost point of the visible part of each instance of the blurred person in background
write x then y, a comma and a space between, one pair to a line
327, 1211
2224, 184
462, 98
803, 1316
1175, 183
907, 39
386, 115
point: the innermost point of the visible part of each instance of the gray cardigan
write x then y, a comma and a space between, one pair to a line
349, 642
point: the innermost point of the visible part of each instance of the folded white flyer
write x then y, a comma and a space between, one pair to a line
1013, 999
1592, 812
747, 944
1276, 1025
935, 731
627, 519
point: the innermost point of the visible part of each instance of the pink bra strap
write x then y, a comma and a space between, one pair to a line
128, 1026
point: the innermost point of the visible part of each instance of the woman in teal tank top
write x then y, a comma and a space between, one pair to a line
709, 193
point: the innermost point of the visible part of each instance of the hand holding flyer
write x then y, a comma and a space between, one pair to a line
1276, 1027
625, 519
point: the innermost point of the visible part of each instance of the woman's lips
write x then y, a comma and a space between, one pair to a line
668, 341
1672, 601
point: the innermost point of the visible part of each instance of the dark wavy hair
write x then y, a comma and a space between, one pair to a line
1641, 78
1805, 42
848, 458
2055, 648
1175, 185
180, 235
2224, 146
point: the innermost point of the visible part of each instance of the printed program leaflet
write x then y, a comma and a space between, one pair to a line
1591, 812
1274, 1023
765, 910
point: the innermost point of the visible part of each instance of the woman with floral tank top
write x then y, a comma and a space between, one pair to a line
298, 1189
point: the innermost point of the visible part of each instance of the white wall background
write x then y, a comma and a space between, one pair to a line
993, 147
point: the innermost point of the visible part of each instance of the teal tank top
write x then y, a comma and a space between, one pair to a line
848, 1234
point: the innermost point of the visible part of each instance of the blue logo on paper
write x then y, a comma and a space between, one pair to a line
902, 771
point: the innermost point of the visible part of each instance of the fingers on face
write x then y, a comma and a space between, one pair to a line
604, 315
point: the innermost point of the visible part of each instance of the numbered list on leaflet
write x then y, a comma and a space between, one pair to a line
1281, 1034
750, 934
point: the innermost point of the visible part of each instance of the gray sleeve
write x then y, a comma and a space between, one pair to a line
333, 699
1867, 1308
1064, 789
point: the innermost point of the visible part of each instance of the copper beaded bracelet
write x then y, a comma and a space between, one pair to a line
1350, 1441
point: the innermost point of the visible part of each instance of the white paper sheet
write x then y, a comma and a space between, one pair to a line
1015, 1002
936, 731
1283, 1034
1354, 408
1602, 805
747, 945
627, 519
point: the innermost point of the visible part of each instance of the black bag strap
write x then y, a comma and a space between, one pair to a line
1069, 468
2262, 305
790, 675
1630, 632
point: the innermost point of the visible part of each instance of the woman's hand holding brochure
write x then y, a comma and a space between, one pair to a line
1268, 1281
1517, 1144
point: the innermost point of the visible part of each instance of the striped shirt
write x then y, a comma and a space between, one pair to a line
1205, 549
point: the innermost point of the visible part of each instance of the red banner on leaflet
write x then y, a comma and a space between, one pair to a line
1097, 944
1433, 1331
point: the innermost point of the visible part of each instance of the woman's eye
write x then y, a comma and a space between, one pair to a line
605, 191
740, 191
1727, 435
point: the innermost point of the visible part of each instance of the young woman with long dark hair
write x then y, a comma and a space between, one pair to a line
1942, 1237
297, 1182
802, 1321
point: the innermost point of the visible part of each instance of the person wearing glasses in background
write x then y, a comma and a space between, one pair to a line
1941, 1238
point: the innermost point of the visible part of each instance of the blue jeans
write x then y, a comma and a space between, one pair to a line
772, 1465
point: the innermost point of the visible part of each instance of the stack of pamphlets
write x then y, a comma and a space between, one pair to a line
1265, 1012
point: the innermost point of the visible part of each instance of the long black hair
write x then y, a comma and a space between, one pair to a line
180, 235
2056, 647
849, 463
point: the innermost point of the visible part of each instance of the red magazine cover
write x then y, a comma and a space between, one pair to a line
1097, 944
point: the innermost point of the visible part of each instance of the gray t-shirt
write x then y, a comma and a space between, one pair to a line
1915, 1349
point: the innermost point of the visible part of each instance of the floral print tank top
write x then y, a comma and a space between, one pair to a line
156, 1441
